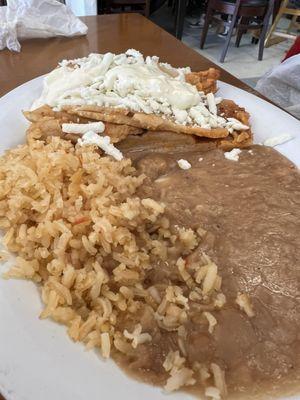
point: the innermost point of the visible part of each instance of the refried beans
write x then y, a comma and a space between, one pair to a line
249, 213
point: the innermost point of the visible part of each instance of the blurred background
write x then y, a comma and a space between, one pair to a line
186, 20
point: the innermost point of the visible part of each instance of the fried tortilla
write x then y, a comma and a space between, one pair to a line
150, 122
47, 122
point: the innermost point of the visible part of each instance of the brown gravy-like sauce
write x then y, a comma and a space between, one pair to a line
251, 211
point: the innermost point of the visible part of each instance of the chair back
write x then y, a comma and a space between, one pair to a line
227, 7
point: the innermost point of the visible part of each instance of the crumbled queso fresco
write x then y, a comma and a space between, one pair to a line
80, 129
103, 142
233, 155
184, 164
276, 140
130, 81
89, 136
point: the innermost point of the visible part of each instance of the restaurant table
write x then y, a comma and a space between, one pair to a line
115, 33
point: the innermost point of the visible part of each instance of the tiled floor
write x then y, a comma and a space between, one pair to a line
241, 62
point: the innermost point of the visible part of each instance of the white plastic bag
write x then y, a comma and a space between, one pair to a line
27, 19
8, 32
282, 85
83, 7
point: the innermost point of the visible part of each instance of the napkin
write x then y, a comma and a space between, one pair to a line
27, 19
282, 85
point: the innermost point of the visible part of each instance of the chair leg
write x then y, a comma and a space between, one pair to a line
208, 16
231, 27
239, 35
241, 31
262, 38
179, 17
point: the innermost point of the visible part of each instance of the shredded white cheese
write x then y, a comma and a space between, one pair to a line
276, 140
132, 81
101, 141
211, 103
80, 129
184, 164
233, 155
236, 124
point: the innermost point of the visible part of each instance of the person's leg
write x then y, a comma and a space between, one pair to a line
196, 11
227, 18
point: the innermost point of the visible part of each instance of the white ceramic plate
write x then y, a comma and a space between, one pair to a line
37, 359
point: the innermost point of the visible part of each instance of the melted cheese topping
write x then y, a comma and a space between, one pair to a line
139, 84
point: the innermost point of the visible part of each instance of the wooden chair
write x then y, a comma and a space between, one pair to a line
283, 10
116, 6
245, 15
